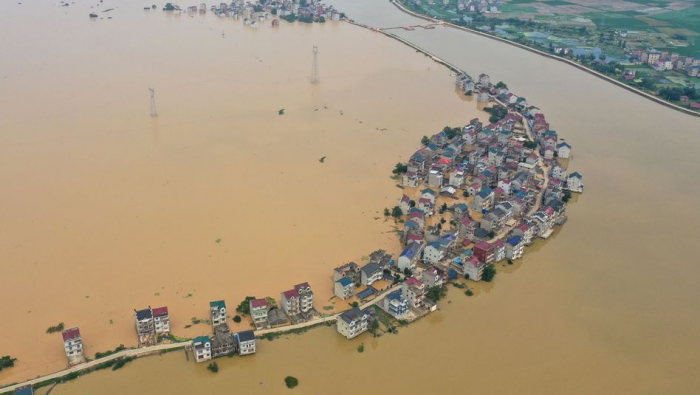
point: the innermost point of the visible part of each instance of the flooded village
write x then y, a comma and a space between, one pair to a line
474, 195
199, 240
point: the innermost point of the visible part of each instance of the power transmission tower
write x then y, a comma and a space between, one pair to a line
315, 79
154, 113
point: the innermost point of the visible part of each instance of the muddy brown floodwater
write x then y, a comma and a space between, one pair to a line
104, 209
606, 305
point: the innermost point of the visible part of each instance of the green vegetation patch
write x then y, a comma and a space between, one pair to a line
291, 382
56, 328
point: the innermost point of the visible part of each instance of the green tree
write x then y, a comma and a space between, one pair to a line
400, 168
361, 348
501, 84
213, 367
244, 306
396, 212
567, 195
425, 140
387, 212
7, 362
291, 382
236, 318
436, 293
489, 273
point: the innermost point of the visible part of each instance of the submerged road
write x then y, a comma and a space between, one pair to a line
139, 352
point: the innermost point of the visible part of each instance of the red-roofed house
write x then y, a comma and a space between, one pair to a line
73, 345
258, 312
161, 319
483, 251
414, 291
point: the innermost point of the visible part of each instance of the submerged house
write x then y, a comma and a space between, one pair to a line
73, 346
353, 322
201, 348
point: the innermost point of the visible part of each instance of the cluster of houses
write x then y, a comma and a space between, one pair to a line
662, 60
223, 341
504, 183
254, 12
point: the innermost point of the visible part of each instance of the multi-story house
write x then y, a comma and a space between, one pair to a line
258, 312
575, 182
73, 346
201, 347
344, 288
218, 312
299, 300
515, 246
145, 327
414, 291
222, 343
484, 199
246, 342
371, 272
349, 270
474, 269
353, 322
306, 297
396, 305
499, 250
431, 277
161, 320
483, 251
410, 255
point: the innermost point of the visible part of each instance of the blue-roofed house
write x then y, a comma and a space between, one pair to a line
367, 292
484, 199
564, 150
575, 182
435, 252
344, 288
371, 272
515, 247
353, 322
396, 305
409, 256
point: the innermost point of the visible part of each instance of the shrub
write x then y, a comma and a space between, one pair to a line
291, 382
7, 362
213, 367
244, 306
57, 328
361, 347
489, 273
237, 318
469, 292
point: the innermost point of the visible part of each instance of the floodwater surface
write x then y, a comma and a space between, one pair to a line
607, 305
104, 209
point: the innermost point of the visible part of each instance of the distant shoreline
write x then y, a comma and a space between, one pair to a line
646, 95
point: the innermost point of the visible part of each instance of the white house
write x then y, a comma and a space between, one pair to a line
246, 342
218, 312
575, 182
434, 252
515, 247
344, 288
73, 346
564, 150
409, 256
353, 322
201, 347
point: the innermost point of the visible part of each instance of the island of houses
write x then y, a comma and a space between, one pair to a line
252, 13
474, 195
